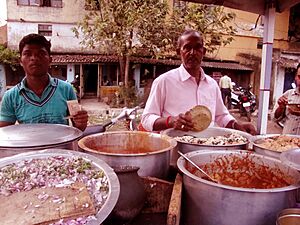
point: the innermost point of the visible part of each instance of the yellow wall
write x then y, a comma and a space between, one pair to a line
3, 34
246, 41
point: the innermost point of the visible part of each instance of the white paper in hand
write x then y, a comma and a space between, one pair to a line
73, 107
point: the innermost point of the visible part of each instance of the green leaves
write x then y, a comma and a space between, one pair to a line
147, 28
8, 56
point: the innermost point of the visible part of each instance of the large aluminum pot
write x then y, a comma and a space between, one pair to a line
209, 132
21, 138
209, 203
112, 179
257, 140
149, 151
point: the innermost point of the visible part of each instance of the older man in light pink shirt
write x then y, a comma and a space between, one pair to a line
177, 91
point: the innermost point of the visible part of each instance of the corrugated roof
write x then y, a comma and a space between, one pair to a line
75, 58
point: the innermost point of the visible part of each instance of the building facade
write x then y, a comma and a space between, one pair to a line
99, 75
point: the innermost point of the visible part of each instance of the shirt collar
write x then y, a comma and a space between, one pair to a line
23, 83
184, 74
296, 91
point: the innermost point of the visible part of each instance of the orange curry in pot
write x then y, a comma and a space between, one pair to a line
244, 172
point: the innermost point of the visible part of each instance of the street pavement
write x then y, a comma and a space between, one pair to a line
93, 106
272, 127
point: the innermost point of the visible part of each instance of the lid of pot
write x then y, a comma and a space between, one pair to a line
289, 217
291, 158
37, 135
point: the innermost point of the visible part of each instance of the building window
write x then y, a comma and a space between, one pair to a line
29, 2
45, 30
56, 3
47, 3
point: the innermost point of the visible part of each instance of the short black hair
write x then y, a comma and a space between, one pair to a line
298, 67
34, 39
187, 32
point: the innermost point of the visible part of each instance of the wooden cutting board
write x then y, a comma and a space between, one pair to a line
46, 205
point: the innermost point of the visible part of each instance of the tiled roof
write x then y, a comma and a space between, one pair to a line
226, 65
75, 58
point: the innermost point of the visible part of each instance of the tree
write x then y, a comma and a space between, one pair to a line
8, 56
121, 27
212, 21
134, 26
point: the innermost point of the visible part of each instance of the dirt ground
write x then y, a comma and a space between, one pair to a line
272, 127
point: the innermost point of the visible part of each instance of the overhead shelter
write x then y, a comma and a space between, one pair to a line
268, 8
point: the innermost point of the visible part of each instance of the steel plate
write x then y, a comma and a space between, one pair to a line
114, 185
291, 158
37, 135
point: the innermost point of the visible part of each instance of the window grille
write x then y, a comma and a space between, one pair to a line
45, 29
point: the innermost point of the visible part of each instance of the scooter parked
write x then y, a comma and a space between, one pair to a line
244, 100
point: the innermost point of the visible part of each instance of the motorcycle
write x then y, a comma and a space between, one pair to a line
244, 100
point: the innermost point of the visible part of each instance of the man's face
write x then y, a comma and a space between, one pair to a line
297, 78
35, 60
192, 50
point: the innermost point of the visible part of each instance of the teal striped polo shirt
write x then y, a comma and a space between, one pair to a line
23, 105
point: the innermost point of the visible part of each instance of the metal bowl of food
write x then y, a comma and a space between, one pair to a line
53, 174
211, 138
252, 186
274, 144
148, 151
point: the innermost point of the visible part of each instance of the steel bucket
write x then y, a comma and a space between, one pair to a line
148, 151
209, 203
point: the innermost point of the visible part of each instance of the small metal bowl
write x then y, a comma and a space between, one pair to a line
269, 152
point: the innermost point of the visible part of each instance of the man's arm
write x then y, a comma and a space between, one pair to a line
280, 110
4, 123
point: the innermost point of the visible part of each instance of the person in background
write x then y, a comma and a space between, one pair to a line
39, 98
288, 107
226, 88
176, 91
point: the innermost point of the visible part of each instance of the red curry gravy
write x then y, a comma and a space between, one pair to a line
243, 172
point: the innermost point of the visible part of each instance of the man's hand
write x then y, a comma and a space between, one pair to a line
246, 127
183, 122
80, 120
282, 101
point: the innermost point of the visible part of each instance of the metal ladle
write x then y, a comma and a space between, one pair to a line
195, 165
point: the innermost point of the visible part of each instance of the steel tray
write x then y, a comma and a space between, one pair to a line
114, 185
37, 135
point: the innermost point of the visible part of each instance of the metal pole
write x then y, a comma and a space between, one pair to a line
266, 68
